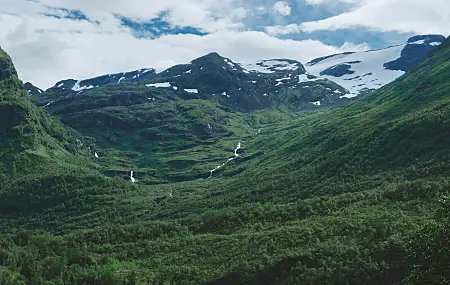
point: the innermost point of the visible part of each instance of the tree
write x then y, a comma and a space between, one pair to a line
431, 250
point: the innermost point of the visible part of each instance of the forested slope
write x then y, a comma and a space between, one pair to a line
348, 196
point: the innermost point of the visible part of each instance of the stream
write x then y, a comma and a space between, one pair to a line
236, 155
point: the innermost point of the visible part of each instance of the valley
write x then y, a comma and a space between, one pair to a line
215, 172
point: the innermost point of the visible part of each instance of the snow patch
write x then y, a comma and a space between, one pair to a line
419, 42
48, 104
147, 70
350, 95
77, 86
367, 67
229, 63
191, 90
316, 103
302, 78
270, 66
159, 85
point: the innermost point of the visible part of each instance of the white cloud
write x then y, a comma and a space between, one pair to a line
321, 2
354, 47
282, 8
406, 16
283, 30
260, 10
46, 49
208, 15
45, 58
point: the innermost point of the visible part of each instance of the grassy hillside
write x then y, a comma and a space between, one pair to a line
348, 196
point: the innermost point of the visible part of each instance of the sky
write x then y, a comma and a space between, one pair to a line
50, 40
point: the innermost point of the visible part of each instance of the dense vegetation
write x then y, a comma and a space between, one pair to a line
357, 195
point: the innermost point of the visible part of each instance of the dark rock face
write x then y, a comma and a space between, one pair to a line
339, 70
427, 39
7, 69
415, 52
11, 116
317, 60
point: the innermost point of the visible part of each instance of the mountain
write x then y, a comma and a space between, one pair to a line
242, 87
117, 78
267, 83
32, 90
248, 87
339, 196
365, 72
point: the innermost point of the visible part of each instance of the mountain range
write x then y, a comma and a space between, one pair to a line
242, 87
215, 172
214, 75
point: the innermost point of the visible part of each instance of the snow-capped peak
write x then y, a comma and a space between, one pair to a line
272, 65
366, 71
116, 78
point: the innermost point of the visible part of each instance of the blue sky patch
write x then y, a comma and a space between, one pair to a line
157, 27
62, 13
301, 12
